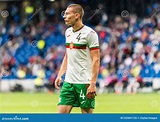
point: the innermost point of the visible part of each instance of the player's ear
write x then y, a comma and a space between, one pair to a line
77, 15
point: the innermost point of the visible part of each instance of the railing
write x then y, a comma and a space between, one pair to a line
28, 84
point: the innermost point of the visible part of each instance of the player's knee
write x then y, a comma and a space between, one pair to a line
64, 109
87, 110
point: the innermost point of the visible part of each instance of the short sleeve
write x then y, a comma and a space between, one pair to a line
92, 40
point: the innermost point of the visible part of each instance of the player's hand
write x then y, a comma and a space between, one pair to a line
91, 91
57, 82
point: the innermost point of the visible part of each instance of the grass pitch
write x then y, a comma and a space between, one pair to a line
106, 103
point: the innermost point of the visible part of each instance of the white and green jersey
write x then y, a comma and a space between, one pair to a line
78, 46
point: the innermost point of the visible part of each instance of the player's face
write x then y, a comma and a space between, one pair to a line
70, 17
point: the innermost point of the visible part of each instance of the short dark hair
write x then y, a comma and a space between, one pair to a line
77, 9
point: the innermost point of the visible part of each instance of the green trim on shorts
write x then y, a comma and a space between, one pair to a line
75, 95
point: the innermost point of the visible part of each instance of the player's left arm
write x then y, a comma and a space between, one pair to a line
93, 44
95, 56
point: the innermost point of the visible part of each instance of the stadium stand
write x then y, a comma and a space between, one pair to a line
130, 48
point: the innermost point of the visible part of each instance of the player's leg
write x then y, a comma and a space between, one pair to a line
118, 87
102, 85
135, 87
87, 110
64, 108
129, 87
66, 99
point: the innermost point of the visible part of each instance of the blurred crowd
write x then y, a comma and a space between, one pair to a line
130, 48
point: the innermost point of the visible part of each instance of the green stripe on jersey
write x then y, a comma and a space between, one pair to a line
76, 45
94, 48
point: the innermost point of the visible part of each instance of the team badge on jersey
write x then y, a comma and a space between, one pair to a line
71, 45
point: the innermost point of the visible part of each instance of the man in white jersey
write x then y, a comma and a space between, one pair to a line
81, 64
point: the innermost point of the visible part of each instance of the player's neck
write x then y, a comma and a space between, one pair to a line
77, 26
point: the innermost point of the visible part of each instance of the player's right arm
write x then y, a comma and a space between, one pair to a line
61, 72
